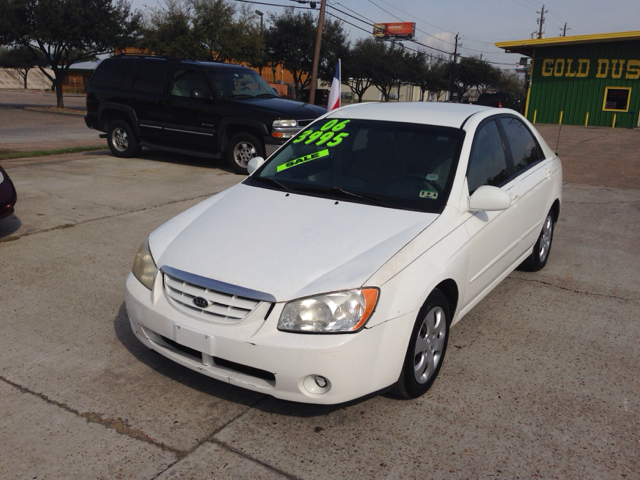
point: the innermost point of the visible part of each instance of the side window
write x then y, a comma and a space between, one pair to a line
113, 73
184, 81
488, 162
524, 148
151, 77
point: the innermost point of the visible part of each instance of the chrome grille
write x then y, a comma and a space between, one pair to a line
305, 122
222, 308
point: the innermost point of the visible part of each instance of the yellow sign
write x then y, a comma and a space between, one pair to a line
581, 67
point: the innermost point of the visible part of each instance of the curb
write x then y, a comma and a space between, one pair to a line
54, 110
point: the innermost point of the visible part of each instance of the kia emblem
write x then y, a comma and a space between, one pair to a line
201, 302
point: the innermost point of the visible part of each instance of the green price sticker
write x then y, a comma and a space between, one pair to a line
328, 134
301, 160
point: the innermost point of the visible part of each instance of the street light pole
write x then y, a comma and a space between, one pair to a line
261, 15
316, 55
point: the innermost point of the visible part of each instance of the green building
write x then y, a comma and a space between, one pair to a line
591, 80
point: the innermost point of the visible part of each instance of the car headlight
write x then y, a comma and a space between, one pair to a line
144, 268
285, 123
1, 178
338, 312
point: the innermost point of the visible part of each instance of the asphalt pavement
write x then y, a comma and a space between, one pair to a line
540, 380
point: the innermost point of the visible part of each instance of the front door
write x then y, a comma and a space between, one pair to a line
187, 106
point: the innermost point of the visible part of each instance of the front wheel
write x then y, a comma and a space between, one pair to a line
122, 142
538, 258
427, 347
241, 148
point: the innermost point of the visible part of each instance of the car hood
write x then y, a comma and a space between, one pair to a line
279, 107
286, 245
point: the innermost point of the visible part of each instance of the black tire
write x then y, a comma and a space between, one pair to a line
241, 148
121, 139
427, 348
541, 250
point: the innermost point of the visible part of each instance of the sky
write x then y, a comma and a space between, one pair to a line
480, 23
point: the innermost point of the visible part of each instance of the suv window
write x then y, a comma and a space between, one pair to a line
239, 83
151, 77
488, 162
524, 148
113, 73
185, 80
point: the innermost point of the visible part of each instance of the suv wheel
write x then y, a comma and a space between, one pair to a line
121, 140
241, 148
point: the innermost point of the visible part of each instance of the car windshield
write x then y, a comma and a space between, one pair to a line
239, 83
397, 165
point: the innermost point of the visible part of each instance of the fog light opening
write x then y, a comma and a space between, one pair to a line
316, 384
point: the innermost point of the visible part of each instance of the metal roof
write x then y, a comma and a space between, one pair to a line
527, 46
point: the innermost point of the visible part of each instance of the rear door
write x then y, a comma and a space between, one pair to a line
148, 96
187, 109
532, 179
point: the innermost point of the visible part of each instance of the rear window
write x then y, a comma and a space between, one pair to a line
113, 73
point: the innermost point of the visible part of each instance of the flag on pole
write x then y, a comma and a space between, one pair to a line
334, 93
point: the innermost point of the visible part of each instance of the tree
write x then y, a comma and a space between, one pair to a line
290, 41
470, 72
67, 31
168, 30
21, 60
357, 69
206, 29
387, 67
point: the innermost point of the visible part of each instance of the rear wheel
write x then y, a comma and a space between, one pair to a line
241, 148
122, 142
538, 258
427, 348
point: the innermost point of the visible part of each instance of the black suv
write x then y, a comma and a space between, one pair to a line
200, 108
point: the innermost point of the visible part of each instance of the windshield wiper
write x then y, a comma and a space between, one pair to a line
240, 95
342, 192
266, 95
270, 180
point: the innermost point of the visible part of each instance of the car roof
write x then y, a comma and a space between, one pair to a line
428, 113
203, 63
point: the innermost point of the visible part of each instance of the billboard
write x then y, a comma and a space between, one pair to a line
406, 30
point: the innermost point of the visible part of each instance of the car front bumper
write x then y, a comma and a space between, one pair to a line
255, 355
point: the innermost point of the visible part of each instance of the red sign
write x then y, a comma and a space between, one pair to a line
394, 30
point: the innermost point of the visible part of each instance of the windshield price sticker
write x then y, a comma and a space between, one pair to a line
301, 160
328, 134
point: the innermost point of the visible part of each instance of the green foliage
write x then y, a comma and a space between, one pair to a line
510, 82
67, 31
205, 29
290, 41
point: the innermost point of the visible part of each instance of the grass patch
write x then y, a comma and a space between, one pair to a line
4, 155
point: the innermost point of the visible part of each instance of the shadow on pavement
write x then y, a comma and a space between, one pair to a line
9, 225
175, 158
216, 388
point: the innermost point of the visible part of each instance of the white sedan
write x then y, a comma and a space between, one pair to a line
337, 268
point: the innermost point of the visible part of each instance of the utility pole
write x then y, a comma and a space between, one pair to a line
316, 55
564, 33
453, 69
541, 20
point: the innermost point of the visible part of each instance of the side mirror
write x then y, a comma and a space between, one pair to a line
487, 198
254, 164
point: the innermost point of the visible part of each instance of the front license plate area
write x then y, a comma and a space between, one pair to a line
202, 342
